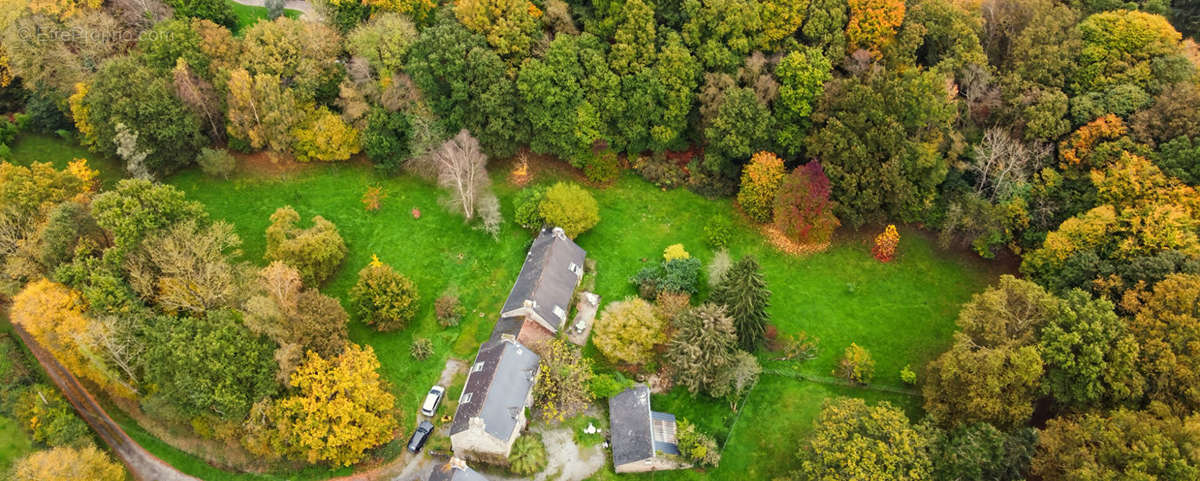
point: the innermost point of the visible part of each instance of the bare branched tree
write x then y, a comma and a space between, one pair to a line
200, 97
462, 170
1002, 163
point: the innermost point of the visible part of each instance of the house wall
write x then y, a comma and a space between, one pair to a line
656, 463
477, 445
533, 333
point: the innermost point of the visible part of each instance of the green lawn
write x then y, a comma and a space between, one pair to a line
903, 312
14, 443
48, 148
248, 15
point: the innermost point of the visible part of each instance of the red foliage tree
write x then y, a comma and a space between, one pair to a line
803, 211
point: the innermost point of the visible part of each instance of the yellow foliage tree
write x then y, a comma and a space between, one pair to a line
340, 409
675, 251
53, 314
419, 10
63, 8
760, 183
68, 464
80, 113
511, 26
325, 137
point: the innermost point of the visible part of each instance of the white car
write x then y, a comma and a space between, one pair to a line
432, 400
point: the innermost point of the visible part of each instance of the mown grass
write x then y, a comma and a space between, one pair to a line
14, 443
903, 311
247, 15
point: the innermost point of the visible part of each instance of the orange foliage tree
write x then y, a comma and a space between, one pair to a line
885, 244
1075, 149
873, 24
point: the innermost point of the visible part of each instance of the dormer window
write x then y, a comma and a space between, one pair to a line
576, 269
558, 311
466, 398
477, 367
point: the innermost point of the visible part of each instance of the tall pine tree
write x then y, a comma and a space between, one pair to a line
746, 297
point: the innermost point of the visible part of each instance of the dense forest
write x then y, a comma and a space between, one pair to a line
1063, 135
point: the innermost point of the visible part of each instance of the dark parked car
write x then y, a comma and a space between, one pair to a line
417, 441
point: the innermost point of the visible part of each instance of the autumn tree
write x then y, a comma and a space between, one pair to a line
873, 24
54, 315
137, 208
460, 167
510, 26
1165, 324
856, 365
571, 207
261, 112
189, 267
1153, 444
761, 181
561, 390
851, 440
1119, 47
47, 416
993, 370
339, 409
302, 55
627, 331
325, 137
803, 211
384, 298
68, 464
25, 191
384, 41
316, 251
745, 296
200, 97
298, 319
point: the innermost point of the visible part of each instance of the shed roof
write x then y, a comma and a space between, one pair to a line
630, 426
547, 279
498, 385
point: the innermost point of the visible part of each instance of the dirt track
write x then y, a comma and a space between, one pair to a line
141, 464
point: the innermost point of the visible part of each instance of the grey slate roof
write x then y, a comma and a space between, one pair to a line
546, 278
449, 472
630, 426
506, 325
498, 389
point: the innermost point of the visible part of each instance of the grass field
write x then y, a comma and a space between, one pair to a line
14, 443
248, 15
903, 312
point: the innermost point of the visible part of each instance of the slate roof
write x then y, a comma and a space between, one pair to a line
451, 472
506, 325
498, 388
546, 277
630, 426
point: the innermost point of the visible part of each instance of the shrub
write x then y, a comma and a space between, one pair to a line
67, 464
719, 267
372, 198
274, 8
325, 137
671, 304
717, 232
697, 447
675, 251
628, 330
885, 244
384, 298
316, 251
608, 385
678, 276
49, 418
527, 207
907, 375
604, 167
660, 171
216, 162
803, 211
448, 310
761, 180
528, 455
856, 365
570, 207
421, 348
